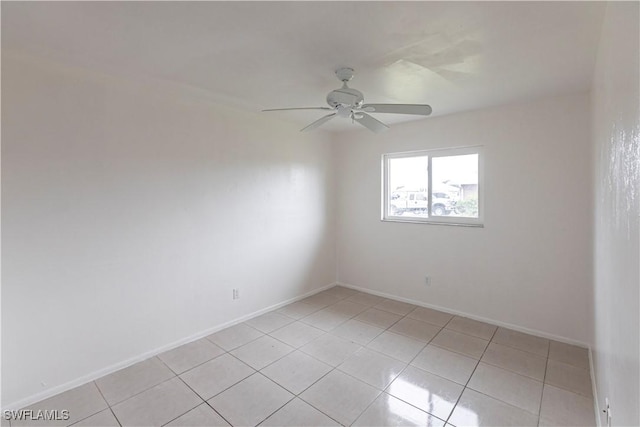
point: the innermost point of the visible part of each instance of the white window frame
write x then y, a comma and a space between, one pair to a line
443, 220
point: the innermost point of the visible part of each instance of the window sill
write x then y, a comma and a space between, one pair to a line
432, 222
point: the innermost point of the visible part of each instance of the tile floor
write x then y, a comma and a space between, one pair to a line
342, 357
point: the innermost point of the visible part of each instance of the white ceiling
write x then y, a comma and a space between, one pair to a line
454, 56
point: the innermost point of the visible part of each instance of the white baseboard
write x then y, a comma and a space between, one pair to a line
470, 316
139, 358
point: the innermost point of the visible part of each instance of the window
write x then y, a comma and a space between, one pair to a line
434, 186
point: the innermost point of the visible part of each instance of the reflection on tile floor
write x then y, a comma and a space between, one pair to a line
343, 357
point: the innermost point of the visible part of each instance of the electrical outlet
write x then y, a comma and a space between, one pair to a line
427, 280
236, 293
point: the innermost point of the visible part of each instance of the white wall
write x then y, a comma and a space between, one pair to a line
130, 212
530, 265
616, 135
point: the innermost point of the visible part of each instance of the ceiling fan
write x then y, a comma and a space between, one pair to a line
349, 103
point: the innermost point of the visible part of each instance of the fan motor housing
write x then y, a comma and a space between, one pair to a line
345, 96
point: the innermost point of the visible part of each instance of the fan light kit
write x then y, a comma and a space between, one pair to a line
349, 103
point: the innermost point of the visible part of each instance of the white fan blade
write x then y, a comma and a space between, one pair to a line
372, 124
299, 108
419, 109
318, 122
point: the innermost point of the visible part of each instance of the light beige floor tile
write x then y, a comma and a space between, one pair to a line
297, 334
189, 355
325, 319
571, 378
216, 375
460, 343
380, 318
321, 299
250, 401
269, 322
397, 346
330, 349
426, 391
386, 410
472, 327
298, 310
127, 382
262, 352
509, 387
296, 371
569, 354
81, 402
396, 307
298, 413
341, 292
445, 363
234, 336
563, 408
415, 329
365, 299
356, 331
518, 361
373, 368
200, 416
340, 396
348, 308
435, 317
158, 405
101, 419
521, 341
478, 410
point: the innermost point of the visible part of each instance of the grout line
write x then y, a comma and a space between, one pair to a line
511, 347
410, 364
203, 400
335, 368
403, 370
214, 410
189, 410
198, 364
139, 393
384, 390
447, 379
178, 377
237, 347
270, 414
544, 381
147, 388
108, 406
520, 349
198, 394
471, 376
298, 396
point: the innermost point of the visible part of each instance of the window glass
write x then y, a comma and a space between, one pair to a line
408, 183
455, 186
